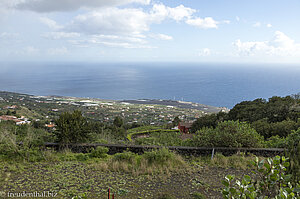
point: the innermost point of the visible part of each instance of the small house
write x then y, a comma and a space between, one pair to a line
184, 127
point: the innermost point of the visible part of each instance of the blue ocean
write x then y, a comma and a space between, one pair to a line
221, 85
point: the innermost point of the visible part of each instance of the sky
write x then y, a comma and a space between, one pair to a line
248, 31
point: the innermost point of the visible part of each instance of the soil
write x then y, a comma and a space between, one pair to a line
74, 178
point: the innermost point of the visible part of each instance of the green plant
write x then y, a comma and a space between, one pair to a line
99, 152
161, 138
79, 196
148, 132
272, 182
276, 142
227, 134
160, 156
82, 156
125, 156
71, 128
293, 143
197, 195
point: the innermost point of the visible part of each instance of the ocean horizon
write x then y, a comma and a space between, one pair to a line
222, 85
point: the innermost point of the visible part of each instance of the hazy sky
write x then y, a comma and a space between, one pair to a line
150, 30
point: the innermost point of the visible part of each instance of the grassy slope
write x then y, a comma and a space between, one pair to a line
75, 177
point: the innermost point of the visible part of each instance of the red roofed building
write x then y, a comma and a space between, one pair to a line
184, 127
9, 117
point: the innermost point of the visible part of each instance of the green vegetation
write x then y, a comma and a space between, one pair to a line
151, 135
72, 128
278, 116
228, 134
161, 138
25, 162
272, 181
293, 145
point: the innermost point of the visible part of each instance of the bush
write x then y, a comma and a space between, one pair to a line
82, 156
228, 134
99, 152
22, 143
272, 181
125, 156
276, 142
293, 143
160, 156
157, 161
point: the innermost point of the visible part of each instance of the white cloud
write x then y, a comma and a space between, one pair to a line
269, 25
205, 23
281, 40
7, 5
160, 12
204, 52
50, 23
161, 36
280, 46
69, 5
60, 35
129, 21
237, 18
118, 38
112, 41
31, 50
58, 51
257, 24
111, 21
8, 35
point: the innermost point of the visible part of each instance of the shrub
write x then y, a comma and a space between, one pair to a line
99, 152
276, 142
293, 143
22, 145
160, 156
157, 161
125, 156
228, 134
82, 156
272, 181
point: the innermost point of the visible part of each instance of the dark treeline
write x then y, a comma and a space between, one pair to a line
277, 116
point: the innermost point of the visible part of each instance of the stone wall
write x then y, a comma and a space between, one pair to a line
195, 151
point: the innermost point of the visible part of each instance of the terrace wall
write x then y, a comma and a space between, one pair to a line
195, 151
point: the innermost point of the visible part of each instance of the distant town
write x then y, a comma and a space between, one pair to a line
23, 108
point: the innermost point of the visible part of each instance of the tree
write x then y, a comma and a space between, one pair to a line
176, 121
72, 128
118, 121
205, 121
249, 111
